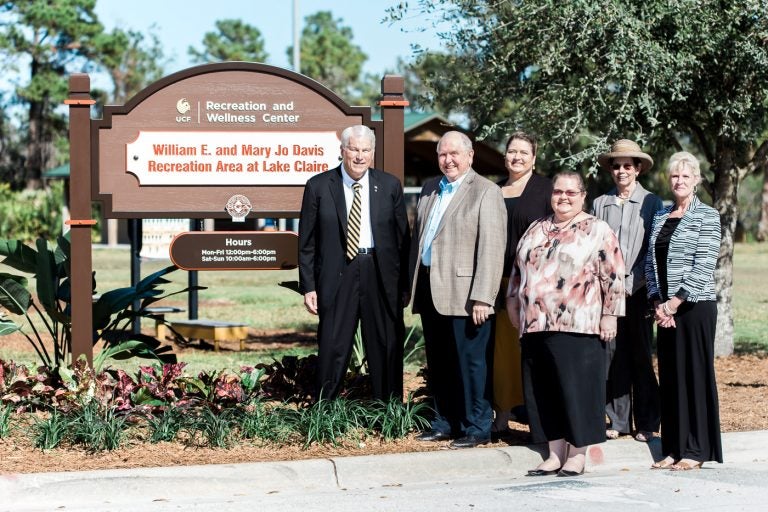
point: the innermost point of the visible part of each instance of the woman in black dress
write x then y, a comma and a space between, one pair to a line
527, 198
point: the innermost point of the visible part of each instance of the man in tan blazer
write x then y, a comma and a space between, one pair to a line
456, 262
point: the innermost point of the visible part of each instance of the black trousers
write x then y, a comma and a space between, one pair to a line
361, 297
457, 372
690, 412
631, 389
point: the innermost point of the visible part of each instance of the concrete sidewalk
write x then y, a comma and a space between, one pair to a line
132, 489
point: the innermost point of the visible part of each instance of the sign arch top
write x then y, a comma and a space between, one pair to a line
188, 142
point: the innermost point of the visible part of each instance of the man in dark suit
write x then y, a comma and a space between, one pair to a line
353, 254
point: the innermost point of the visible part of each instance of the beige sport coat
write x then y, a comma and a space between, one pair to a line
468, 249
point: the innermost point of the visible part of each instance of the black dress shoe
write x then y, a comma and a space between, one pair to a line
433, 435
542, 472
469, 442
566, 473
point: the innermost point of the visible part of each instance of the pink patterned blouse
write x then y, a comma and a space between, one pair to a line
566, 280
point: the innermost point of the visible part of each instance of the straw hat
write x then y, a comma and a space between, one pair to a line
625, 148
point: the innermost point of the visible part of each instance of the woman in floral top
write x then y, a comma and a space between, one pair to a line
566, 290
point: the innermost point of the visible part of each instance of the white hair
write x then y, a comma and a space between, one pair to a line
358, 131
466, 142
684, 160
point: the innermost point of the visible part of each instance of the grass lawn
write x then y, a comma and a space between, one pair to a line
750, 298
254, 297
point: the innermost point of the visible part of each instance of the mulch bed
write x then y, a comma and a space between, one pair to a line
742, 387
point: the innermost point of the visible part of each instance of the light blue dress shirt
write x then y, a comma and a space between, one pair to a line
447, 191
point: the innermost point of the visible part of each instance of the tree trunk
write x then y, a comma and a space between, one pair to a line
34, 167
33, 170
726, 203
762, 227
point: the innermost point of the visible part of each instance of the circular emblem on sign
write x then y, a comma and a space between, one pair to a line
182, 106
238, 207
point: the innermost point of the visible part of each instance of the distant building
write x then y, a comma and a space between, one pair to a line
422, 131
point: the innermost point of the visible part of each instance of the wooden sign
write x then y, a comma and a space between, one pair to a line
235, 250
223, 140
187, 143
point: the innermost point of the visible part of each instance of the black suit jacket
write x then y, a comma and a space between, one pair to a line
323, 236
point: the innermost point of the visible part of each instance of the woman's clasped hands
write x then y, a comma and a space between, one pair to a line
663, 315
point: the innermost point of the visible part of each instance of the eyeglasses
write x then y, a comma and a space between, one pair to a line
570, 193
626, 166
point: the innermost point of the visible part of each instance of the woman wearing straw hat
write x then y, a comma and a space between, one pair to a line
628, 208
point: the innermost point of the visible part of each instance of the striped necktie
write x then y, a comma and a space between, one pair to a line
353, 223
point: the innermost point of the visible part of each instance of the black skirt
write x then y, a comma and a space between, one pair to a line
564, 387
690, 413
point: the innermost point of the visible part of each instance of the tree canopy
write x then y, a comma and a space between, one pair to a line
133, 60
670, 74
662, 70
235, 40
328, 54
50, 39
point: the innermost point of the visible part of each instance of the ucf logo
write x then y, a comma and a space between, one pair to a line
182, 107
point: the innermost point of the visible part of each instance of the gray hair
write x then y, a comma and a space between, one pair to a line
466, 142
358, 131
684, 160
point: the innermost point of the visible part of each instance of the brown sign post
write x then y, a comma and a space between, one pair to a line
194, 142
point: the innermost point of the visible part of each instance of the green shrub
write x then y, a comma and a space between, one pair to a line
49, 433
211, 428
395, 419
30, 214
5, 420
215, 409
328, 421
166, 425
414, 347
112, 313
97, 428
268, 423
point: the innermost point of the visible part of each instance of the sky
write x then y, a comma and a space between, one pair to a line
182, 23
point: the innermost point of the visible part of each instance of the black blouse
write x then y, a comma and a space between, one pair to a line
662, 252
533, 204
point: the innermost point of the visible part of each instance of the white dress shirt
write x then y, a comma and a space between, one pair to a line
366, 236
